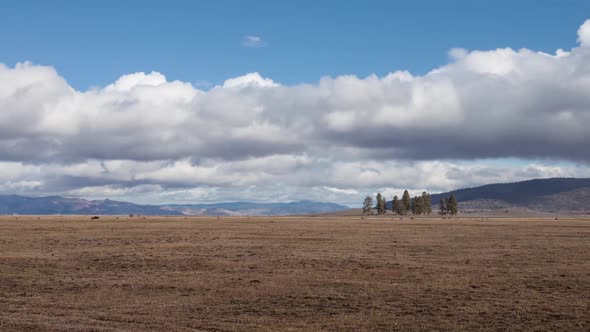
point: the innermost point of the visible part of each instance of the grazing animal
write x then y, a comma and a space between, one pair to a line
95, 217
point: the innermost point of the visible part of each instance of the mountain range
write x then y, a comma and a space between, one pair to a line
545, 195
13, 204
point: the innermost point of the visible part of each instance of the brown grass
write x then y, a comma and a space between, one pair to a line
293, 273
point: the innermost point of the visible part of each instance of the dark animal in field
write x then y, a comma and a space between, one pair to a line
95, 217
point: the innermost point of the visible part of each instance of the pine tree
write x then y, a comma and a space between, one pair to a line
397, 206
420, 209
368, 205
442, 207
452, 205
427, 203
380, 204
407, 202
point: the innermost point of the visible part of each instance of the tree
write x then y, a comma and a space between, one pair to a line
427, 202
368, 205
380, 205
407, 202
419, 205
452, 205
442, 207
397, 206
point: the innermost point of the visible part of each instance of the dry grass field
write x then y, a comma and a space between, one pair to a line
293, 273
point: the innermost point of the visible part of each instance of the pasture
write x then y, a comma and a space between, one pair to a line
333, 273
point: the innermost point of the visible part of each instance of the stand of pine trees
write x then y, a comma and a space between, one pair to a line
419, 205
448, 206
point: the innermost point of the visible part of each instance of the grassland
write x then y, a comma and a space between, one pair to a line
293, 273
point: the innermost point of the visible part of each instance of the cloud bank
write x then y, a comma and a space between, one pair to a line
335, 138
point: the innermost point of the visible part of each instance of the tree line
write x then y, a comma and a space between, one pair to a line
418, 205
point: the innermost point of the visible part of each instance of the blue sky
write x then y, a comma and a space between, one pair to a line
194, 101
91, 43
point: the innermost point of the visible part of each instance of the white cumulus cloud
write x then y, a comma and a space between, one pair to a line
584, 34
336, 137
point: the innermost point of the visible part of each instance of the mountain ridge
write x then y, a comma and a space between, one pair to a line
47, 205
549, 195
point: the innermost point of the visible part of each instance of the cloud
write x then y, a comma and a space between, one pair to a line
584, 34
332, 138
458, 53
342, 191
253, 41
481, 106
251, 79
276, 178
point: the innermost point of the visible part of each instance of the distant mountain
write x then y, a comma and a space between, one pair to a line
550, 195
12, 204
256, 209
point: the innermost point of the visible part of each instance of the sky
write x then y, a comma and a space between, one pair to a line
186, 101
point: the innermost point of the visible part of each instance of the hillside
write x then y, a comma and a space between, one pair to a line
12, 204
549, 195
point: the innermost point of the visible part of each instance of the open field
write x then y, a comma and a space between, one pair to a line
293, 273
